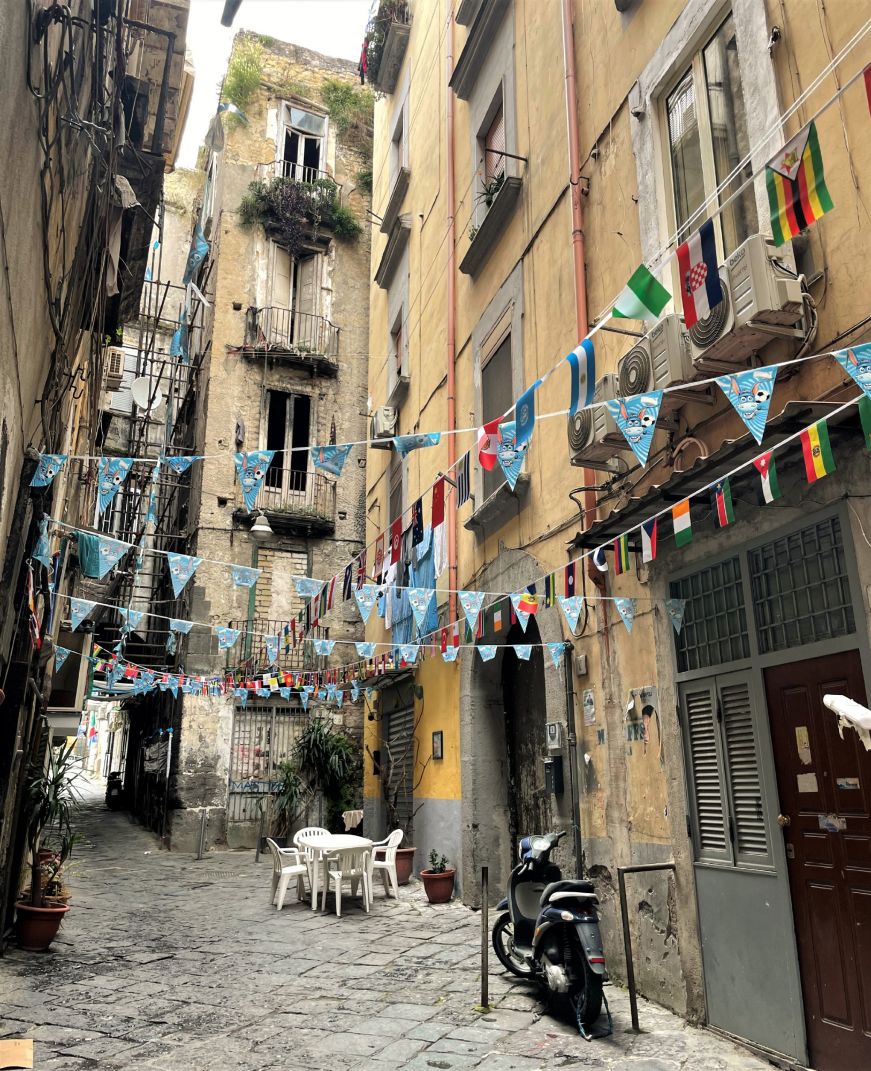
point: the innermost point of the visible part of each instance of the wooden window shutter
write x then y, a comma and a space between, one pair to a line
705, 770
745, 785
494, 146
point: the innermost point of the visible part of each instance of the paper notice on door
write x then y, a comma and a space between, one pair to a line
807, 782
803, 744
847, 782
832, 823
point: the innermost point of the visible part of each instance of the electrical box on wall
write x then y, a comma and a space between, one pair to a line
554, 734
581, 665
554, 784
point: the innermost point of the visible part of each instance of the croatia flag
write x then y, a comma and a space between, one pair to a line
489, 438
700, 288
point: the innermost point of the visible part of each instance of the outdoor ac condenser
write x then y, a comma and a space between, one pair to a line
594, 437
114, 367
661, 359
759, 297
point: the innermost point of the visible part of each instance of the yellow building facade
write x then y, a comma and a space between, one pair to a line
670, 743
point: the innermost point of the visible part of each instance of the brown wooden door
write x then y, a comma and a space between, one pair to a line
824, 784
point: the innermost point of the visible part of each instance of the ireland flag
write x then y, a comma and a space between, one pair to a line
643, 299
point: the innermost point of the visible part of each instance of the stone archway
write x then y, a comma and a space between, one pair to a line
492, 810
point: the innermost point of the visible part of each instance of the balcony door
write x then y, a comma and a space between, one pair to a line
293, 321
288, 429
301, 145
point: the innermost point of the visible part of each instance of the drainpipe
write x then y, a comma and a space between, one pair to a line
577, 218
452, 316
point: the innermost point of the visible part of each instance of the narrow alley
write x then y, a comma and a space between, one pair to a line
168, 963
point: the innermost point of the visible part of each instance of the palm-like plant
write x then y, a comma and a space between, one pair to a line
51, 799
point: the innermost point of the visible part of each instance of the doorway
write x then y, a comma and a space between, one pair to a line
824, 785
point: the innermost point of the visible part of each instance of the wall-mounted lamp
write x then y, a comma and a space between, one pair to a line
261, 530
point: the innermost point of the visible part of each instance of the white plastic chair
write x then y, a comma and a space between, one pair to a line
387, 865
287, 863
349, 864
311, 856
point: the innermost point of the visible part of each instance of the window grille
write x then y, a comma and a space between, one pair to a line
800, 588
263, 738
715, 621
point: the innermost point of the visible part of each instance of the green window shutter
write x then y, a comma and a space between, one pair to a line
705, 771
742, 763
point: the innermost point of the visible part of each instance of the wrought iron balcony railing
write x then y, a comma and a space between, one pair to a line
299, 499
323, 186
252, 646
296, 334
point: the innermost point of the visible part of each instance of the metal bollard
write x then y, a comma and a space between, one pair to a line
485, 940
204, 814
622, 871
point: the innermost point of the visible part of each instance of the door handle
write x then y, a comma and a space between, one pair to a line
783, 820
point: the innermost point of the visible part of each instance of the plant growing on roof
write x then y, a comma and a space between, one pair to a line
289, 210
244, 73
350, 108
389, 11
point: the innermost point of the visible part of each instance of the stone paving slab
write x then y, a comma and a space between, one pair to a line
166, 963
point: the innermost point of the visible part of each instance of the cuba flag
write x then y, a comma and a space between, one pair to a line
700, 288
582, 362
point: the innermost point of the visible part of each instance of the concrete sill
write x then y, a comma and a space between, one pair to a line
393, 251
487, 20
394, 201
492, 228
395, 45
499, 508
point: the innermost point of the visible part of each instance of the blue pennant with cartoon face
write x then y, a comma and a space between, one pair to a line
181, 568
47, 468
750, 394
626, 608
303, 698
196, 255
251, 468
365, 598
61, 654
227, 637
41, 550
109, 553
131, 619
183, 627
856, 362
179, 345
509, 455
557, 649
420, 600
523, 651
449, 654
571, 606
408, 653
307, 588
675, 609
487, 651
271, 649
111, 474
244, 576
340, 698
355, 691
636, 418
365, 650
471, 602
284, 692
179, 465
404, 444
330, 459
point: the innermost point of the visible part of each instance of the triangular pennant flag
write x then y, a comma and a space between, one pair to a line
244, 576
340, 698
111, 474
797, 191
330, 459
636, 418
408, 651
179, 344
571, 606
509, 454
471, 602
227, 637
648, 539
177, 625
557, 649
582, 362
251, 469
181, 568
404, 444
524, 411
307, 588
449, 654
750, 393
643, 298
523, 651
420, 600
626, 609
131, 618
196, 255
61, 654
48, 466
365, 650
41, 551
524, 605
271, 643
366, 597
303, 698
675, 610
856, 362
487, 651
179, 465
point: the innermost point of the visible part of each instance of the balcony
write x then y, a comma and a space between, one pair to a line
252, 646
387, 36
320, 186
297, 339
296, 502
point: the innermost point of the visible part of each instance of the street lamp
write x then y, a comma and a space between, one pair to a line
261, 530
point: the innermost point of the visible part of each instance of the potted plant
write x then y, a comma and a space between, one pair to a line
438, 881
51, 798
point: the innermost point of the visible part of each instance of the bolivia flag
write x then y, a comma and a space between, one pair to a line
644, 297
722, 503
680, 519
621, 554
818, 460
764, 465
797, 191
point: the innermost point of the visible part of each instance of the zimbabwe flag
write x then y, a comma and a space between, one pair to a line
797, 192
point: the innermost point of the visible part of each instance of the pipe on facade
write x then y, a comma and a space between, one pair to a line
577, 216
452, 315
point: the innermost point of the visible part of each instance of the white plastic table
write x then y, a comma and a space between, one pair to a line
322, 845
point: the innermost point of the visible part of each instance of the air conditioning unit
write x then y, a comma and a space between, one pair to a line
761, 302
383, 426
594, 437
114, 367
660, 359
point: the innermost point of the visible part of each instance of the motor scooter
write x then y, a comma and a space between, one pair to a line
549, 932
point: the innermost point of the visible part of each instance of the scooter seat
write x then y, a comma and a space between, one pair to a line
575, 885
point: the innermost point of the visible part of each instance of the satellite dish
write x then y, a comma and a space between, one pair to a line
145, 395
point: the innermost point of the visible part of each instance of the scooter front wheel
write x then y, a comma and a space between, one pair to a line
503, 946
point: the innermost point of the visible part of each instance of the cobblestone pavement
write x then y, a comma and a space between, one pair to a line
171, 964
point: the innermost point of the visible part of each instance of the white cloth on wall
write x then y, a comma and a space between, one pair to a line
440, 549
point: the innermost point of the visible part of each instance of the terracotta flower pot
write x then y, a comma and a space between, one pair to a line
438, 886
38, 926
404, 864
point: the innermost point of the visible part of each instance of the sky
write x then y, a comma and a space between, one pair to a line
334, 27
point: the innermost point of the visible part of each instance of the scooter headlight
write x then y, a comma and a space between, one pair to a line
539, 844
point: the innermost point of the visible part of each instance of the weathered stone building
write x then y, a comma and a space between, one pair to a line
286, 370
